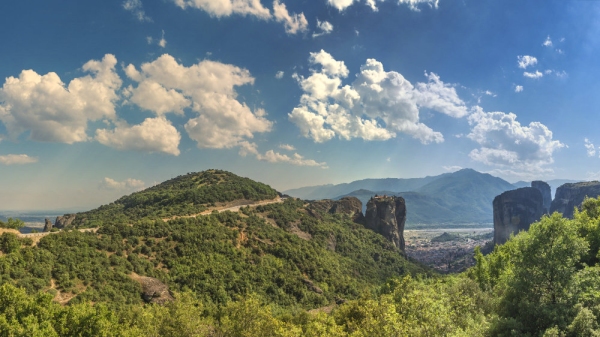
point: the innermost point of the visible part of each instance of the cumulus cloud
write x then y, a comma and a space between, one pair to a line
247, 148
324, 28
152, 135
535, 75
518, 88
547, 42
412, 4
376, 106
590, 148
127, 184
293, 23
296, 159
452, 168
221, 8
526, 61
287, 147
17, 159
207, 88
54, 112
507, 144
279, 75
137, 9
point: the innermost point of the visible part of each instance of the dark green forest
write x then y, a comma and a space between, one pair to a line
276, 270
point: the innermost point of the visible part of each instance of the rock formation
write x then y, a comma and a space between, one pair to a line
153, 290
47, 225
569, 196
347, 205
544, 188
64, 220
386, 216
515, 211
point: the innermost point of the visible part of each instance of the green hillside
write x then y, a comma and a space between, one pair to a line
277, 252
187, 194
257, 272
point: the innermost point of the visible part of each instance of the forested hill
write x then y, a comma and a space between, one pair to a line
184, 195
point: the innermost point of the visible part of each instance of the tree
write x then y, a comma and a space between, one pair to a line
535, 286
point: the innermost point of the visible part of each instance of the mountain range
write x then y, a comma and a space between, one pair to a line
458, 198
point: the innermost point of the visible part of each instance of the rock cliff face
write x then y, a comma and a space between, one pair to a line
516, 210
569, 196
386, 216
544, 188
64, 220
348, 205
47, 225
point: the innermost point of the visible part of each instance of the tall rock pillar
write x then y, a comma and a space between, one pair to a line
515, 211
386, 216
544, 188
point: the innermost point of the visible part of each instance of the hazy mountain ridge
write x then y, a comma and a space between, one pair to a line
331, 191
461, 197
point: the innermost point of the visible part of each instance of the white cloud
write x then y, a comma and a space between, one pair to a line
287, 147
412, 4
279, 75
547, 42
221, 8
452, 168
127, 184
518, 88
590, 148
271, 156
535, 75
136, 7
440, 97
376, 106
506, 144
162, 42
154, 97
152, 135
324, 28
293, 23
208, 88
526, 61
296, 159
17, 159
53, 112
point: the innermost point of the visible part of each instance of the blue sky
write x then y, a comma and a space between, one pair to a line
103, 98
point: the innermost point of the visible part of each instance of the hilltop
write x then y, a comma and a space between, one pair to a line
187, 194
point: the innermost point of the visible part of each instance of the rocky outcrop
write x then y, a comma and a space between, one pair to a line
544, 188
515, 211
47, 225
569, 196
153, 290
386, 216
347, 205
63, 221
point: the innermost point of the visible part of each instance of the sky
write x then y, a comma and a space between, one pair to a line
102, 98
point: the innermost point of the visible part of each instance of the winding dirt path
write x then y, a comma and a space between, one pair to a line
230, 208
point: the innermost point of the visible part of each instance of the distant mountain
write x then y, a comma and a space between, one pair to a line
463, 197
554, 184
385, 184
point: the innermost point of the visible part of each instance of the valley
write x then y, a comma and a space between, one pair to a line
449, 250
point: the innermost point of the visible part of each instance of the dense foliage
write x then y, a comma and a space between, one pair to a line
257, 272
12, 223
187, 194
219, 257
